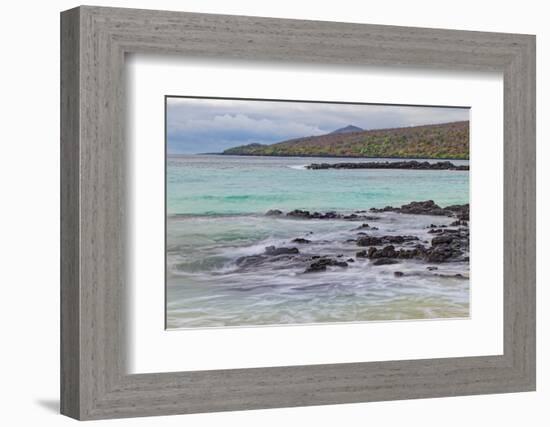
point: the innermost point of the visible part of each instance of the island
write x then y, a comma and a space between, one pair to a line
435, 141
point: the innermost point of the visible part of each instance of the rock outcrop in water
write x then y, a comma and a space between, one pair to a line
303, 214
272, 250
412, 164
446, 242
322, 263
429, 207
450, 245
373, 240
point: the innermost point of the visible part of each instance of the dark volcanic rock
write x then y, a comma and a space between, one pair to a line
441, 240
377, 241
323, 263
328, 215
352, 217
301, 240
364, 225
429, 207
298, 213
340, 263
303, 214
449, 245
398, 239
423, 208
462, 212
272, 250
439, 254
316, 267
398, 273
413, 164
369, 241
384, 261
386, 252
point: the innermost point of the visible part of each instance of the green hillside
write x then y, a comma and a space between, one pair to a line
441, 141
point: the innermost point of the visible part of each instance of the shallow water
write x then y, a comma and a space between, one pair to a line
215, 216
237, 185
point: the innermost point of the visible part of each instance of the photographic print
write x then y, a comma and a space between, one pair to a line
283, 212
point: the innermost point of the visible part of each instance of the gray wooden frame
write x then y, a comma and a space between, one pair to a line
94, 41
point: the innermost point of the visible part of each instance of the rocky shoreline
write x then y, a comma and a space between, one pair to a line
447, 243
412, 164
428, 207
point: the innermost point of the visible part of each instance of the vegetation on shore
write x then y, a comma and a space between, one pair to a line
441, 141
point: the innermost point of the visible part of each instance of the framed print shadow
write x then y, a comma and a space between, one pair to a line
297, 211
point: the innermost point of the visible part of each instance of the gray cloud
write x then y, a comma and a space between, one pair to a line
209, 125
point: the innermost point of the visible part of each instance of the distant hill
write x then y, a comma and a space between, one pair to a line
441, 141
347, 129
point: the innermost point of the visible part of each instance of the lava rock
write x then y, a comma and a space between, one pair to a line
409, 164
323, 263
384, 261
301, 240
369, 241
298, 213
272, 250
440, 240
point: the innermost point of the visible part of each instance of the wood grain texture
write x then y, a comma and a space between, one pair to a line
70, 291
95, 383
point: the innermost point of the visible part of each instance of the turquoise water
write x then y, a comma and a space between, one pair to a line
234, 185
215, 215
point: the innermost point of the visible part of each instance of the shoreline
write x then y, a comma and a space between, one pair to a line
405, 262
444, 242
407, 165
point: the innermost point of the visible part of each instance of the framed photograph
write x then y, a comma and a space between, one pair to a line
253, 238
262, 213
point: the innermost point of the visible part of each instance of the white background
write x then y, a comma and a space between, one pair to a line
29, 177
154, 350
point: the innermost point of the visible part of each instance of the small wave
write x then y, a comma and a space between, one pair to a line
212, 215
297, 167
234, 252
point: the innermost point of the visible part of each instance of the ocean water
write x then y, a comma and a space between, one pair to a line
215, 215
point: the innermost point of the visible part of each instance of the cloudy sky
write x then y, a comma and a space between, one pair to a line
211, 125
